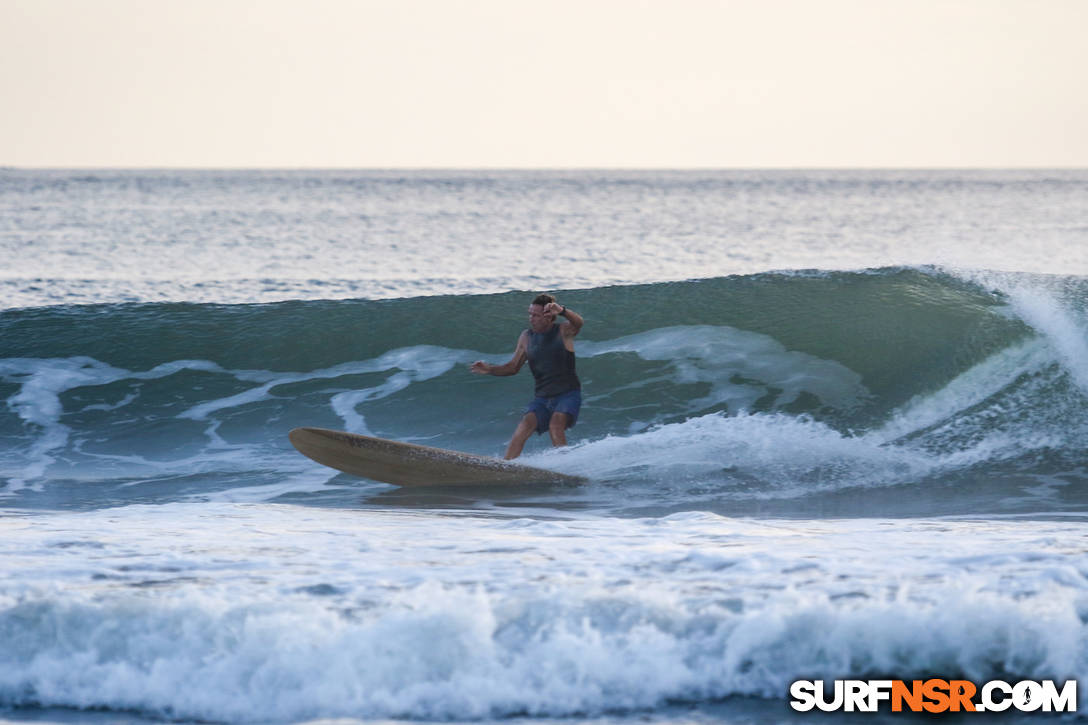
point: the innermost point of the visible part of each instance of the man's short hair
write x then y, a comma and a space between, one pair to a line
543, 300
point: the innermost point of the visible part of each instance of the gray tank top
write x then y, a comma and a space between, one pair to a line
552, 363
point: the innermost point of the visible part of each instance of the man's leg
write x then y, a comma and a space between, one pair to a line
521, 434
557, 428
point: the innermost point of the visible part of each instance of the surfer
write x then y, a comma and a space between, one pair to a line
548, 346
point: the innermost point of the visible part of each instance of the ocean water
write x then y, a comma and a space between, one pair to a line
835, 426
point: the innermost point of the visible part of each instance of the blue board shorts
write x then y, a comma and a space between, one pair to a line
569, 402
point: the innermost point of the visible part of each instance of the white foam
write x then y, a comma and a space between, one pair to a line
968, 389
279, 613
788, 455
43, 381
412, 364
1064, 329
719, 354
1053, 307
38, 403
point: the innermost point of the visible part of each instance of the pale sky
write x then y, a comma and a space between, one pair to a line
544, 83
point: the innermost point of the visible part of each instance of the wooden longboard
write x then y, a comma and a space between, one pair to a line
408, 464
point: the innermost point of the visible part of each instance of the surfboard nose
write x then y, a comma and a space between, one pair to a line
304, 432
297, 434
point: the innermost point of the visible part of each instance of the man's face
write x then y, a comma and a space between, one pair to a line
538, 321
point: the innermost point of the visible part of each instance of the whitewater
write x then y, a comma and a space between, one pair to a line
835, 426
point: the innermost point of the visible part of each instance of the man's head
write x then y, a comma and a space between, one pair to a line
540, 321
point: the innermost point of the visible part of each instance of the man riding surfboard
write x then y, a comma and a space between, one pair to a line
548, 347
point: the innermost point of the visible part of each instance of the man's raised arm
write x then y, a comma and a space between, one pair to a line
574, 319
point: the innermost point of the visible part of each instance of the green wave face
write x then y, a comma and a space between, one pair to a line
790, 383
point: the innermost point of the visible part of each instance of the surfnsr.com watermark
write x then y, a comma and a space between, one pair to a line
934, 695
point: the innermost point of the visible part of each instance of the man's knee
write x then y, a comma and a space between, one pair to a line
559, 422
527, 424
